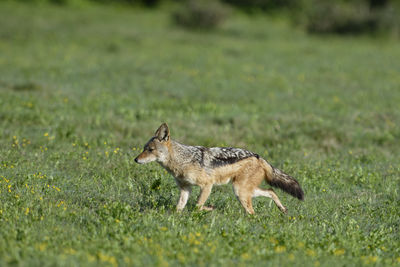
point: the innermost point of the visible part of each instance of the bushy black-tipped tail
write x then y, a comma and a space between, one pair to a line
287, 183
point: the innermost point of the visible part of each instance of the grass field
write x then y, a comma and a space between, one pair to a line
82, 89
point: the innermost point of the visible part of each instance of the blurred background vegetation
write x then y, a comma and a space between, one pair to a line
85, 83
314, 16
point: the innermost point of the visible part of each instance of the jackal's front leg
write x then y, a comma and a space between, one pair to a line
204, 194
185, 192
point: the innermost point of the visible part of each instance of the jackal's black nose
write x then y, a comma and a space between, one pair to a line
136, 160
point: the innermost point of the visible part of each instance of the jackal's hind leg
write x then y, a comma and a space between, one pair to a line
247, 204
271, 194
244, 197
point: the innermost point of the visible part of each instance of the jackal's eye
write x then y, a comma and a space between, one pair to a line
150, 149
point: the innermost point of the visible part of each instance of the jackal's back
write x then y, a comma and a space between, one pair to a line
214, 157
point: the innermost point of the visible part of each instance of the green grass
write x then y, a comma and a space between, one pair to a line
82, 89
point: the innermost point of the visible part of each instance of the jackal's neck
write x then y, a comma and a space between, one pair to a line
178, 156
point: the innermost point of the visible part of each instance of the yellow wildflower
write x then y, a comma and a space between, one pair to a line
310, 252
109, 259
41, 246
91, 258
369, 259
70, 251
273, 240
336, 99
181, 257
339, 252
245, 256
291, 257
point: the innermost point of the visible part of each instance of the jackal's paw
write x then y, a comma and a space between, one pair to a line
283, 209
207, 208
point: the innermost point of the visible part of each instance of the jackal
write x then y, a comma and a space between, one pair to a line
204, 167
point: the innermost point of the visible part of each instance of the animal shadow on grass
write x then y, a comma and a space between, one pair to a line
19, 87
152, 197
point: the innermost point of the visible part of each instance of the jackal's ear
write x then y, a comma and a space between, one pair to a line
162, 132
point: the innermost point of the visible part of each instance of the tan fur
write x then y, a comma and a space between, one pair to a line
246, 175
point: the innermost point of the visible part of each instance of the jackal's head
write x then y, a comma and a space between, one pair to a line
156, 149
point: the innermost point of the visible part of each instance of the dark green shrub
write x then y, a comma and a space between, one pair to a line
389, 19
263, 5
148, 3
349, 17
340, 18
200, 14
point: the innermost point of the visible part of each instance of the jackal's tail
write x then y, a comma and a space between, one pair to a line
278, 178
